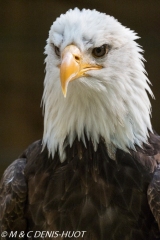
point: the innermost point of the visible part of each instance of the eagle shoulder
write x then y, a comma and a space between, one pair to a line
13, 193
149, 157
153, 192
154, 195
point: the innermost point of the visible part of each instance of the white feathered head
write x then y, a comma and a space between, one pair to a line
95, 83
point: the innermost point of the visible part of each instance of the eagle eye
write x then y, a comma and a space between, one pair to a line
57, 51
100, 51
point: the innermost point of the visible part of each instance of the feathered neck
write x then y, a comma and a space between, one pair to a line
121, 118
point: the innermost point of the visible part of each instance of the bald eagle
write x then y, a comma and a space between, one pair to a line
96, 170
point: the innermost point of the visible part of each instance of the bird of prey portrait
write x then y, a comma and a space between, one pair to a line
95, 174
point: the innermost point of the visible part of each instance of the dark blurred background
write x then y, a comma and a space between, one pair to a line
24, 27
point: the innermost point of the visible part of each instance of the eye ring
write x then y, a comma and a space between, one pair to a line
100, 51
57, 51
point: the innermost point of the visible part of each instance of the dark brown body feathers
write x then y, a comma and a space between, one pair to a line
88, 192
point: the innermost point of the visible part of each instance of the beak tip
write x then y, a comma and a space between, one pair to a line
64, 93
64, 88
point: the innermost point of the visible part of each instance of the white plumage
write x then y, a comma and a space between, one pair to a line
111, 102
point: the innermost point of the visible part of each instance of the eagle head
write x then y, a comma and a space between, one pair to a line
95, 83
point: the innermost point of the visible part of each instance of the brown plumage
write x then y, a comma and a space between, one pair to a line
88, 192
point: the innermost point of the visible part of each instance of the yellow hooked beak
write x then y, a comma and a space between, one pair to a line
72, 66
